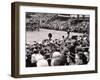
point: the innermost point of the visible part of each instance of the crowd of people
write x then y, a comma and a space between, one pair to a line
58, 52
80, 27
60, 22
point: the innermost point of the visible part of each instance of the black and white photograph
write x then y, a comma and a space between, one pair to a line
54, 39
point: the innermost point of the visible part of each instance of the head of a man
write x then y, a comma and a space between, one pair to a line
50, 35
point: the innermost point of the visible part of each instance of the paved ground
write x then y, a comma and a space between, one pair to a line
43, 34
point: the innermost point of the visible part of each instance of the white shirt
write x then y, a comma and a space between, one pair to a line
42, 63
